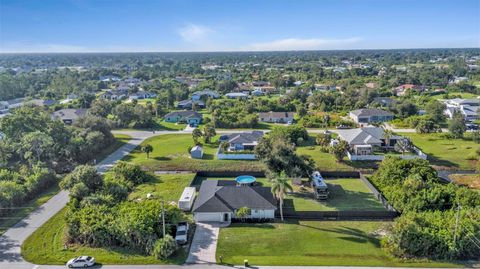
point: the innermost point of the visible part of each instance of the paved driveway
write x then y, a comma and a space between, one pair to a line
204, 243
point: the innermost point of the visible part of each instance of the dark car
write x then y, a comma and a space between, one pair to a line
471, 126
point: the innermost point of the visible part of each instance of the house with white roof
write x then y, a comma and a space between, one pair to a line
196, 96
468, 107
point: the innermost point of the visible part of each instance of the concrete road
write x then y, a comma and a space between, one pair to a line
204, 243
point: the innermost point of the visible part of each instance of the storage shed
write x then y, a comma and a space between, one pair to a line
186, 200
196, 152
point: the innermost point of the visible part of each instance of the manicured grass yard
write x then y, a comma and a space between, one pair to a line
345, 194
170, 152
46, 246
339, 243
168, 186
446, 152
470, 180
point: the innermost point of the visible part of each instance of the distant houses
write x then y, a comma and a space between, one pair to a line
276, 117
406, 88
140, 95
236, 95
113, 95
188, 104
69, 115
467, 107
383, 101
190, 117
196, 96
369, 115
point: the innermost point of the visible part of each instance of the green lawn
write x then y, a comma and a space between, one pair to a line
445, 152
170, 152
168, 186
339, 243
46, 246
345, 194
27, 208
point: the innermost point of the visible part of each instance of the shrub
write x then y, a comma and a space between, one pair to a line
165, 247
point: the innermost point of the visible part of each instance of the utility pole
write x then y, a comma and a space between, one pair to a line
457, 220
163, 217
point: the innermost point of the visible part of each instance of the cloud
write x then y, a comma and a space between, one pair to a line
303, 44
195, 33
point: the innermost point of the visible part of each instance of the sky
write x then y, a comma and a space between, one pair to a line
234, 25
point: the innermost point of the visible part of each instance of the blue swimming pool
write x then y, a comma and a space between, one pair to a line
245, 179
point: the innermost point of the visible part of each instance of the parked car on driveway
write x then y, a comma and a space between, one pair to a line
82, 261
182, 233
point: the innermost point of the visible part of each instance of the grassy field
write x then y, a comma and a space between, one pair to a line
339, 243
27, 208
170, 152
470, 180
445, 152
46, 246
168, 186
345, 194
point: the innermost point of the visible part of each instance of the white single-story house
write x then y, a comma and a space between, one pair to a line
196, 152
276, 117
242, 141
362, 140
236, 95
209, 93
468, 107
219, 200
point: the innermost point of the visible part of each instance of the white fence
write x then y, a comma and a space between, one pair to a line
419, 154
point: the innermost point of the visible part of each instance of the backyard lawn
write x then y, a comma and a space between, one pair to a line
339, 243
445, 152
167, 186
170, 152
46, 246
345, 194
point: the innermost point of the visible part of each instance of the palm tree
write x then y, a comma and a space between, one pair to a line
387, 134
280, 187
147, 149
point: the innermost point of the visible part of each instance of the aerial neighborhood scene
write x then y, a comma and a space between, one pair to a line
239, 134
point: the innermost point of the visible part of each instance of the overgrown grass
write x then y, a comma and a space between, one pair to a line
470, 180
328, 243
446, 152
25, 209
46, 246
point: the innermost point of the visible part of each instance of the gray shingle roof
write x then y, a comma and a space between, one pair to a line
242, 138
69, 113
184, 114
366, 112
360, 136
225, 196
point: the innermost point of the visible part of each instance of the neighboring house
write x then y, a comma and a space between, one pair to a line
69, 115
368, 115
236, 95
196, 152
188, 104
257, 92
142, 95
362, 140
242, 141
323, 88
383, 101
118, 94
276, 117
188, 116
109, 78
468, 107
405, 88
260, 83
40, 102
219, 200
196, 96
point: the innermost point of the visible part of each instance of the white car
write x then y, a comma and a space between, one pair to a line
82, 261
182, 233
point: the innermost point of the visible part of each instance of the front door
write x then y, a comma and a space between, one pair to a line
225, 217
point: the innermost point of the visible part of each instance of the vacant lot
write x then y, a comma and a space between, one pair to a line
446, 152
46, 246
168, 187
170, 152
339, 243
345, 194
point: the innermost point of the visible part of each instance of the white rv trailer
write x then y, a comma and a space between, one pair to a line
320, 186
185, 202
